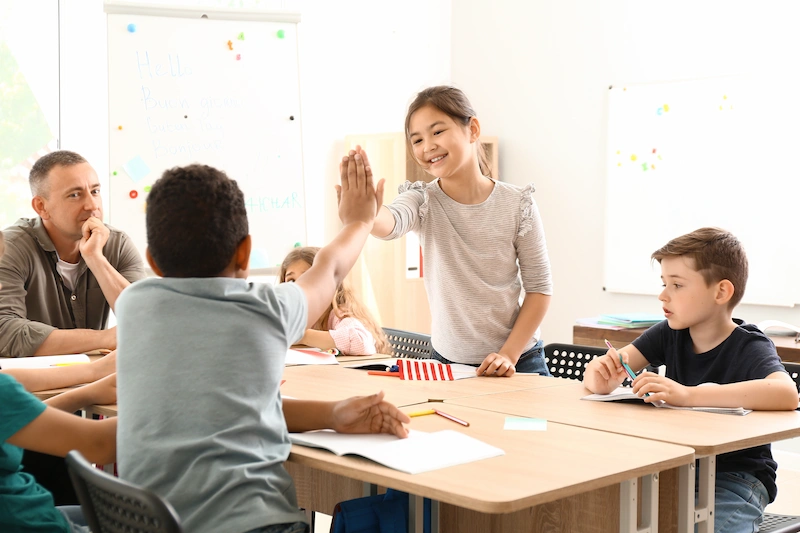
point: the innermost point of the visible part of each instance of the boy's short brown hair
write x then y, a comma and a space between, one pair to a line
717, 255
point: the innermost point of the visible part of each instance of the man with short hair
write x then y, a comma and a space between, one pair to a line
63, 270
61, 275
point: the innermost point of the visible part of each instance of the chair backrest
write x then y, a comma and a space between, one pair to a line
794, 371
111, 505
409, 344
569, 360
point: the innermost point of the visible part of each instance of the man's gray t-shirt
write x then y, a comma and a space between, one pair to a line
200, 415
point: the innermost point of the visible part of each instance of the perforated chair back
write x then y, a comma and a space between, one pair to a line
569, 360
778, 523
409, 344
111, 505
794, 371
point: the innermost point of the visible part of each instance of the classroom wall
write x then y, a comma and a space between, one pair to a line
538, 73
360, 63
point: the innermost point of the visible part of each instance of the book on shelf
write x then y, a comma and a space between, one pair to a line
412, 455
631, 320
626, 394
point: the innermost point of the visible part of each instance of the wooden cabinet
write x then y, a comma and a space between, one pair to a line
380, 278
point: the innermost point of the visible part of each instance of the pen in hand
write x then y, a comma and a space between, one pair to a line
627, 368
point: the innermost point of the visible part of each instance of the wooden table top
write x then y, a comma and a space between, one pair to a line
706, 433
328, 382
538, 467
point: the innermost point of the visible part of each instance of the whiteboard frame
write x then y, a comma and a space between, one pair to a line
135, 8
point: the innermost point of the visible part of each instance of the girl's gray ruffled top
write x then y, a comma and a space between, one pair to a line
479, 261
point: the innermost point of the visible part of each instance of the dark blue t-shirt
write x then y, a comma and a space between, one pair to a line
745, 355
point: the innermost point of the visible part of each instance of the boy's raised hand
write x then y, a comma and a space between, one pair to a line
369, 414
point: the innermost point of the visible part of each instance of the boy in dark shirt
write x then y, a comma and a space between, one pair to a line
704, 275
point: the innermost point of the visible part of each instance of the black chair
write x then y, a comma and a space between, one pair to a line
569, 360
409, 344
111, 505
778, 523
794, 371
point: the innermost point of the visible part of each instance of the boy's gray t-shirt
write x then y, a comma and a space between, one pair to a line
200, 416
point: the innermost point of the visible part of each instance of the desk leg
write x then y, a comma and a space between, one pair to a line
370, 489
702, 512
629, 505
416, 513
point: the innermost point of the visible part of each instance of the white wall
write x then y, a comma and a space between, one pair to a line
538, 72
360, 64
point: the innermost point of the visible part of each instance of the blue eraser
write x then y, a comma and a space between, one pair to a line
131, 27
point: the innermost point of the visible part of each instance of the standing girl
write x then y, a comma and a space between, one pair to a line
347, 324
487, 273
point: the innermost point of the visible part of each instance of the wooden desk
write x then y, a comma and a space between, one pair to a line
708, 434
328, 382
562, 479
788, 350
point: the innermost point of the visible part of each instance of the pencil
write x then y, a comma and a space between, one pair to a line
423, 413
451, 417
70, 364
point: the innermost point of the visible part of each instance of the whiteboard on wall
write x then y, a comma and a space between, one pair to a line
213, 87
713, 152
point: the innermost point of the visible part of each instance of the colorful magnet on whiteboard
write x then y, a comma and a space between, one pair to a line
131, 28
666, 108
297, 245
230, 45
147, 188
185, 116
644, 167
119, 127
136, 168
654, 150
281, 34
240, 36
633, 157
659, 111
133, 194
114, 173
238, 57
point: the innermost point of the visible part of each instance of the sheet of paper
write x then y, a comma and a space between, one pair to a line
420, 452
42, 361
517, 423
309, 357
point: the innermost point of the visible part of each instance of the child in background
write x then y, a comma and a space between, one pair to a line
202, 421
482, 242
346, 324
51, 428
704, 275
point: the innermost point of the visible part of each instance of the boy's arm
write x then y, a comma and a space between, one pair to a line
38, 379
605, 373
101, 392
357, 205
776, 392
359, 414
56, 433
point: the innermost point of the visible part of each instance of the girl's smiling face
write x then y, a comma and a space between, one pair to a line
442, 147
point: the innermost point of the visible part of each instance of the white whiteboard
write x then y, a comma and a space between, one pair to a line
713, 152
221, 91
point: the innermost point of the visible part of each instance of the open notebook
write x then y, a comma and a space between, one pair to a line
625, 393
43, 361
420, 452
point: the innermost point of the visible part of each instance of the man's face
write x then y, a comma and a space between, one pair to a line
73, 195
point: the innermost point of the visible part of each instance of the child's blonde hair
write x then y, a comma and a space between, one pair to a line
345, 304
